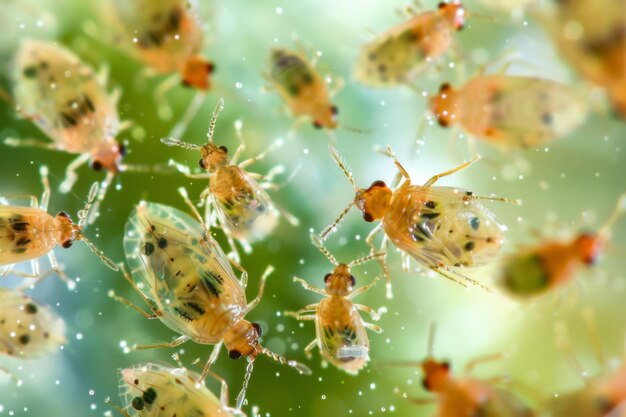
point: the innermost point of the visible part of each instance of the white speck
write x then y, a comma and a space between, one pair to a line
305, 151
92, 392
279, 10
135, 40
79, 336
323, 396
382, 103
238, 85
280, 328
372, 386
177, 36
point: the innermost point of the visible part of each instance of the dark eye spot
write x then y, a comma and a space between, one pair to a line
30, 72
96, 165
224, 149
148, 248
234, 354
446, 366
470, 246
150, 395
378, 184
317, 124
162, 243
460, 27
121, 149
443, 122
441, 5
185, 83
67, 244
334, 110
368, 217
30, 308
474, 223
425, 384
326, 278
546, 118
201, 163
258, 328
444, 87
210, 67
63, 214
24, 339
137, 403
352, 281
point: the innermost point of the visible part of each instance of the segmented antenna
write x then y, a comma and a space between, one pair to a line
342, 165
367, 258
301, 368
319, 243
180, 143
618, 211
241, 397
108, 262
84, 213
432, 330
216, 112
331, 228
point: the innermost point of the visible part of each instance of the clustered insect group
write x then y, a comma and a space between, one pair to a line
187, 281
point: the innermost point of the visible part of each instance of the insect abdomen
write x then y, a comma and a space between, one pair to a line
25, 234
525, 275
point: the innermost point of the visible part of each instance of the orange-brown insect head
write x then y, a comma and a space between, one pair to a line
589, 246
454, 12
242, 339
443, 105
374, 202
196, 73
340, 281
436, 374
67, 230
108, 156
213, 157
326, 117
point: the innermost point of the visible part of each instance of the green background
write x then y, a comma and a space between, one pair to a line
572, 184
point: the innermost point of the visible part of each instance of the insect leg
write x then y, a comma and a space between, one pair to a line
176, 342
277, 143
252, 304
234, 252
128, 278
375, 315
55, 267
457, 277
309, 348
117, 407
309, 287
464, 165
15, 142
469, 367
389, 152
514, 201
242, 143
132, 305
299, 314
369, 240
224, 388
373, 327
45, 196
365, 288
70, 173
406, 261
164, 110
419, 401
212, 358
180, 127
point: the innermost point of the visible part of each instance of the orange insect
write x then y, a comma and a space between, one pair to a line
27, 233
538, 269
464, 397
511, 111
340, 331
304, 90
407, 50
592, 37
440, 227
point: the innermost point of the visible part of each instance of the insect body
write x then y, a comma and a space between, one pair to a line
27, 233
302, 87
185, 278
243, 208
511, 111
404, 51
466, 397
151, 390
536, 270
440, 227
28, 329
340, 330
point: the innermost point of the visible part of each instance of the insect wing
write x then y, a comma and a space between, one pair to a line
28, 329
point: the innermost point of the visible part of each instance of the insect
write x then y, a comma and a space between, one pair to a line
464, 397
245, 211
340, 330
538, 269
69, 103
28, 329
304, 90
181, 273
594, 44
440, 227
407, 50
151, 390
511, 111
167, 37
27, 233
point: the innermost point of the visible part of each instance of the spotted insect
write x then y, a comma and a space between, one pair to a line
592, 37
440, 227
302, 88
27, 233
154, 390
456, 397
511, 111
245, 211
28, 329
69, 103
538, 269
340, 331
405, 51
181, 273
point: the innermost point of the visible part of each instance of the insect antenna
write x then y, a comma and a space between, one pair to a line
334, 153
95, 211
241, 397
108, 262
620, 208
319, 243
367, 258
180, 143
216, 112
83, 214
300, 367
592, 331
432, 331
333, 227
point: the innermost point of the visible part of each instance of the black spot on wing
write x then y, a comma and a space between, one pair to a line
212, 282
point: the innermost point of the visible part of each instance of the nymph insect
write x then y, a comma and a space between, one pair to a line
340, 331
406, 50
538, 269
440, 227
28, 329
69, 103
155, 390
245, 211
511, 111
27, 233
181, 273
464, 397
302, 88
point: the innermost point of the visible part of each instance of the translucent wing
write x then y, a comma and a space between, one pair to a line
183, 272
341, 335
437, 226
28, 329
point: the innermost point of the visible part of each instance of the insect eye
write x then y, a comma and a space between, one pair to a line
334, 110
234, 354
96, 165
326, 278
443, 122
185, 83
67, 244
444, 87
121, 149
442, 4
368, 217
378, 184
63, 214
460, 27
224, 149
210, 67
258, 328
425, 384
317, 124
201, 163
446, 366
352, 281
137, 403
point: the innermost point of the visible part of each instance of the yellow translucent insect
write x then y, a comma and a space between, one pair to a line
181, 273
441, 227
511, 111
155, 390
69, 103
461, 397
27, 233
591, 35
403, 52
245, 211
340, 331
28, 329
302, 88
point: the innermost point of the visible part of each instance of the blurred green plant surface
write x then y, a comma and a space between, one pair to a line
572, 184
